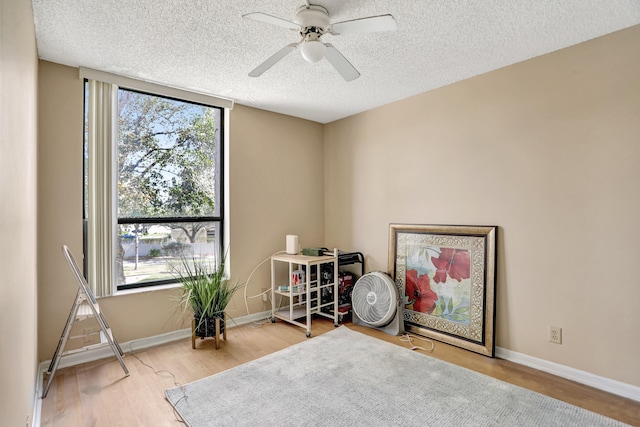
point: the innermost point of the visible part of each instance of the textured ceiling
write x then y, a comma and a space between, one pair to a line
206, 45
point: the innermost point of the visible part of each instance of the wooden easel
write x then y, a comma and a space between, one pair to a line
84, 306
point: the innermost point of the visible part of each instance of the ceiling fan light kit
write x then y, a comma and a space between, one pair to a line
312, 49
312, 21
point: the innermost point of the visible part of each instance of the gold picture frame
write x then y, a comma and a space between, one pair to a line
446, 277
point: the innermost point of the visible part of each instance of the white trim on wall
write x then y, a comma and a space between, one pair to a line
582, 377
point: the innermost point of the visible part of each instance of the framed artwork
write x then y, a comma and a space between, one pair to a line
445, 276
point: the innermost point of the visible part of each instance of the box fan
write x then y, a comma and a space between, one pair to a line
376, 303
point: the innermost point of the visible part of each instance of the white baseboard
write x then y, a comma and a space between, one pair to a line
582, 377
142, 343
135, 345
37, 404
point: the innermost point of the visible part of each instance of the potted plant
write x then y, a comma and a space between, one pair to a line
207, 291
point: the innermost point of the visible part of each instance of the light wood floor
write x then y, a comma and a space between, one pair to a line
97, 394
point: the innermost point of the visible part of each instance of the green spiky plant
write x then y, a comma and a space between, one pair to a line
204, 287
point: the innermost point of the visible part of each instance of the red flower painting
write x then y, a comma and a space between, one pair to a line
454, 263
418, 289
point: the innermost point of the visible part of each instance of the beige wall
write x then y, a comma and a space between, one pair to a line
548, 150
275, 189
18, 163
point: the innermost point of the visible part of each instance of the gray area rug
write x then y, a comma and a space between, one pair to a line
345, 378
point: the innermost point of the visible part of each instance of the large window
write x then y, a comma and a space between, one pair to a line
164, 184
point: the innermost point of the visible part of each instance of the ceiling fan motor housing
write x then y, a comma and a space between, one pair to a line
313, 21
312, 17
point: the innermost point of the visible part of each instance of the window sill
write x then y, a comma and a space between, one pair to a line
147, 289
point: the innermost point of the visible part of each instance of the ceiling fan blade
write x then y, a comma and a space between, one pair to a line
371, 24
273, 20
340, 63
270, 62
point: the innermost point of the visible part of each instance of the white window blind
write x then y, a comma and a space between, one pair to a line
100, 182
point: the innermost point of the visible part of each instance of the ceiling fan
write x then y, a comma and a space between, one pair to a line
312, 21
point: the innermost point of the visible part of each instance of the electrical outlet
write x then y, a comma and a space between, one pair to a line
265, 296
555, 334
